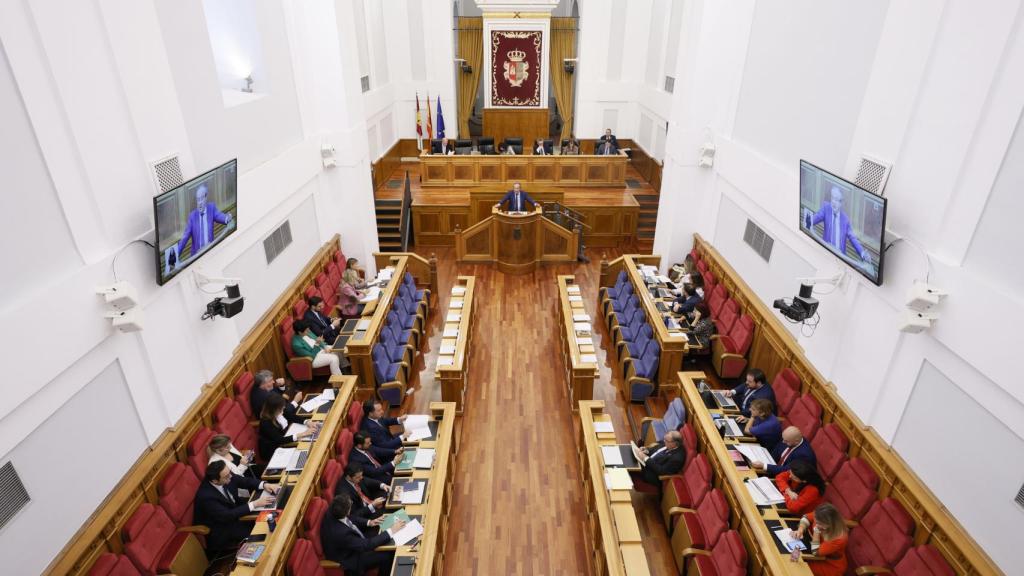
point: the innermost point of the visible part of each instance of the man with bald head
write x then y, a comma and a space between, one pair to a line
837, 229
199, 226
793, 447
663, 459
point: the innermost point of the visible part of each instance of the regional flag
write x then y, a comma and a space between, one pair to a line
419, 124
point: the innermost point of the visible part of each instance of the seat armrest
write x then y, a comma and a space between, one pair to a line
197, 529
871, 570
694, 552
677, 510
329, 564
249, 518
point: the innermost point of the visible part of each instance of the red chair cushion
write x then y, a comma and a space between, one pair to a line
709, 522
311, 522
286, 332
718, 297
113, 565
355, 417
197, 457
787, 389
303, 560
694, 483
299, 308
806, 415
343, 445
728, 557
147, 533
727, 316
830, 446
923, 561
164, 564
329, 479
853, 489
177, 491
689, 438
883, 536
229, 419
243, 388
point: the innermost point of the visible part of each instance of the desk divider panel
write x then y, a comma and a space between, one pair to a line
453, 376
580, 369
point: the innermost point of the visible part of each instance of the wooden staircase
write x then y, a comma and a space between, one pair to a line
389, 224
647, 219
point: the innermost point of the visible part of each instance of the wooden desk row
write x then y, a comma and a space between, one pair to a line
453, 357
614, 533
674, 343
762, 553
474, 170
578, 352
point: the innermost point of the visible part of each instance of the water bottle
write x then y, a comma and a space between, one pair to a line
271, 523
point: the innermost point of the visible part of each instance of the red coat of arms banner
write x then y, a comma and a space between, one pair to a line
515, 67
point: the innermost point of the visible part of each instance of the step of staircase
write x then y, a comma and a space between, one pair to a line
389, 222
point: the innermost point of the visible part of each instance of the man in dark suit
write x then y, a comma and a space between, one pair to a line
264, 385
515, 200
378, 428
792, 448
686, 301
352, 547
219, 507
378, 463
755, 386
320, 323
607, 145
663, 459
368, 495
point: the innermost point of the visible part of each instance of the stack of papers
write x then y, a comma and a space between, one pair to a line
618, 479
580, 317
295, 429
281, 459
453, 317
412, 493
755, 453
408, 533
612, 456
424, 459
585, 340
418, 427
317, 401
603, 427
764, 492
389, 520
408, 458
385, 274
371, 295
328, 393
363, 324
458, 290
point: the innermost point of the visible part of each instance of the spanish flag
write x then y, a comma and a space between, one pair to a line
430, 121
419, 124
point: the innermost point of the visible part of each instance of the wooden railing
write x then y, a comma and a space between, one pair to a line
579, 373
260, 349
773, 349
453, 367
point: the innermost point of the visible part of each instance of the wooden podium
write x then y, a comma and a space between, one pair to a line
517, 242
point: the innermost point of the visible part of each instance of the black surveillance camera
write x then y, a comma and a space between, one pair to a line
226, 307
466, 68
801, 307
569, 66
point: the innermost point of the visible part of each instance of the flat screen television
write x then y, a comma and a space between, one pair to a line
193, 218
844, 218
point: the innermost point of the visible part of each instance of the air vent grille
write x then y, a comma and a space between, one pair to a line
13, 496
277, 241
670, 84
365, 83
872, 174
1020, 497
756, 238
168, 173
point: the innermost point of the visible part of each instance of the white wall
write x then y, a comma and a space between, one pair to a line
937, 88
91, 93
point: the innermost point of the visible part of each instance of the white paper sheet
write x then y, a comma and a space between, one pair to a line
445, 360
453, 317
458, 290
603, 427
455, 304
585, 340
424, 458
576, 298
581, 317
412, 493
281, 458
363, 324
612, 456
295, 429
408, 532
755, 453
764, 492
581, 326
447, 349
588, 358
315, 402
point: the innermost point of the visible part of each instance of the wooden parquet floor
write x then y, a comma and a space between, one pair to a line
518, 505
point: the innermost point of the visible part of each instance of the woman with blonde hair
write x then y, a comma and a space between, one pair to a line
221, 448
828, 540
350, 291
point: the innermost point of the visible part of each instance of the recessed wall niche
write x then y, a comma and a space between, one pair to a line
233, 26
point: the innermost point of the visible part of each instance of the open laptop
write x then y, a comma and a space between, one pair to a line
724, 401
729, 427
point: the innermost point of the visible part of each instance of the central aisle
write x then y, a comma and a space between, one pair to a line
516, 509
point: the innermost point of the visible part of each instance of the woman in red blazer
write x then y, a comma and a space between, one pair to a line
828, 540
801, 486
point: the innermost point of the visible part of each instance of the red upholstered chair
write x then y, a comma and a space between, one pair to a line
853, 489
727, 316
686, 490
155, 546
702, 266
329, 479
343, 446
729, 351
243, 391
177, 491
727, 558
299, 308
701, 528
355, 417
311, 291
882, 538
229, 419
328, 291
806, 415
717, 299
786, 386
196, 448
689, 439
315, 512
300, 368
830, 446
303, 560
334, 274
110, 564
923, 561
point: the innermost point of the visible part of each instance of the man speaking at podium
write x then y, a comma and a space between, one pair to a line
517, 200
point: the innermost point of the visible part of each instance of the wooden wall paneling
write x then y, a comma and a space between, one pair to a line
543, 171
464, 170
490, 171
526, 123
457, 219
772, 344
570, 171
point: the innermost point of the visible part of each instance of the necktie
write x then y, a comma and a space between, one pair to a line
354, 527
361, 495
227, 494
785, 455
518, 207
372, 459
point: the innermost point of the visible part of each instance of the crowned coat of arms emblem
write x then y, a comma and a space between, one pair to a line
517, 70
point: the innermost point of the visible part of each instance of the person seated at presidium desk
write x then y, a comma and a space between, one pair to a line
353, 547
572, 147
538, 148
199, 226
517, 199
319, 322
264, 385
447, 147
273, 426
219, 507
828, 540
663, 459
305, 343
607, 145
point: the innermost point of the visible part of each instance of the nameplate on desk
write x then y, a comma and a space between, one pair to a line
455, 304
572, 289
453, 317
575, 298
445, 360
602, 427
588, 358
450, 332
581, 318
447, 348
585, 340
458, 290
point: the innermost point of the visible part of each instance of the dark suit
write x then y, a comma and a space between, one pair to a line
744, 396
221, 516
354, 551
383, 471
361, 511
686, 305
801, 452
666, 463
513, 206
257, 397
600, 149
271, 437
321, 326
380, 432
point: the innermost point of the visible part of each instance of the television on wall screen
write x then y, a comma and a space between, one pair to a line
193, 218
843, 218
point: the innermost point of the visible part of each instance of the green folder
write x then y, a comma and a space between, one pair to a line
407, 458
390, 519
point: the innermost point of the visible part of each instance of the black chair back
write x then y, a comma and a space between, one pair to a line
485, 141
435, 146
549, 146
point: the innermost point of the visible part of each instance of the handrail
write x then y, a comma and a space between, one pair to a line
406, 214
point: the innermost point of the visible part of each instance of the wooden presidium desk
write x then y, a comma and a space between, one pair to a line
763, 553
578, 351
453, 357
475, 170
516, 242
616, 547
